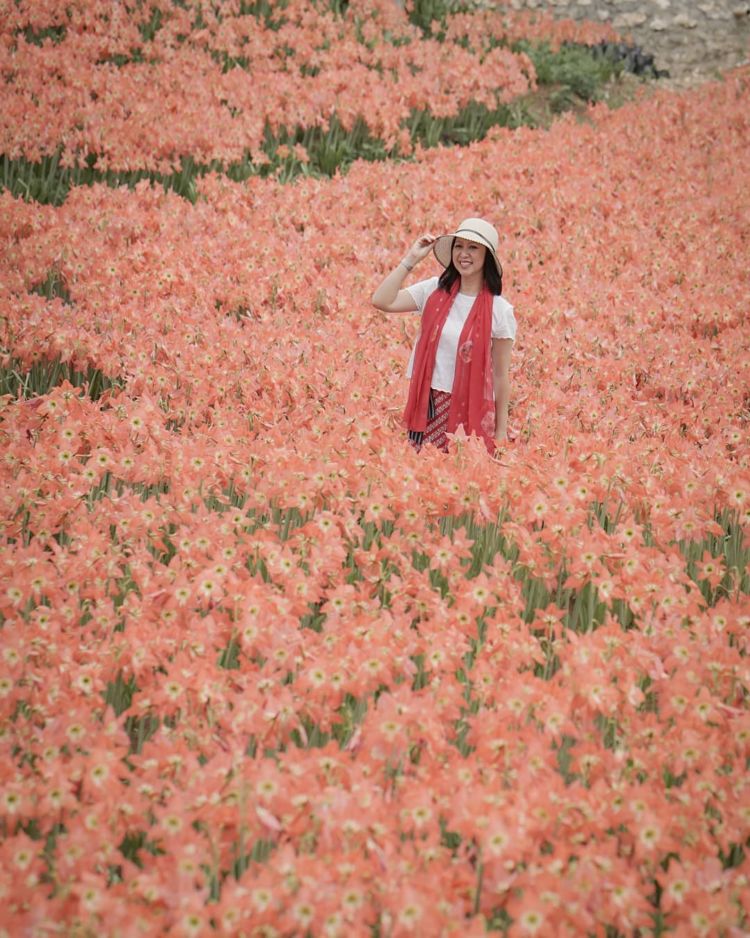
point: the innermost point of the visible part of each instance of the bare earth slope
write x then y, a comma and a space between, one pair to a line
694, 40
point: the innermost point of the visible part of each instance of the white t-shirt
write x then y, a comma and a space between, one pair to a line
503, 327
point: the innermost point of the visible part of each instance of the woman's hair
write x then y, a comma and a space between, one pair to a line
492, 276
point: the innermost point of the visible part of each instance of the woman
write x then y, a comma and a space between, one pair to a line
460, 361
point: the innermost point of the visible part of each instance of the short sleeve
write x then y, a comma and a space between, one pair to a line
421, 290
503, 319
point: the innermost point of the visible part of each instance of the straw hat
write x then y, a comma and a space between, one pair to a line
471, 229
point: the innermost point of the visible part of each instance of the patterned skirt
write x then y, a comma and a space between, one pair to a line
437, 422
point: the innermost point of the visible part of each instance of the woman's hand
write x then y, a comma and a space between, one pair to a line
419, 250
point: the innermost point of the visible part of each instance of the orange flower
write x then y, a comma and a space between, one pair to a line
264, 667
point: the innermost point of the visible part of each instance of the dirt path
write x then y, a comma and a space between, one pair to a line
695, 40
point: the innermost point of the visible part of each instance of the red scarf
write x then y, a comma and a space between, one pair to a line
472, 397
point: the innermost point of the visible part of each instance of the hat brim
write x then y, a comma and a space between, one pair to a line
443, 246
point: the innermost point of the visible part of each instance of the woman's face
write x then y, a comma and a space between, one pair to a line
468, 257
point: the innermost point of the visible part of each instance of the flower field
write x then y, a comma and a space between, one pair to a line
266, 670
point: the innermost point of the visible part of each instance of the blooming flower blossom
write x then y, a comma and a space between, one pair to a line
263, 667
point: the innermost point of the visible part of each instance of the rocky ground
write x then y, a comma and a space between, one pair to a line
694, 40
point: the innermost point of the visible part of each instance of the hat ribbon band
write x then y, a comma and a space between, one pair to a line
478, 234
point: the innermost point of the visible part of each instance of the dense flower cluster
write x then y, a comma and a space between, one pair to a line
140, 88
266, 670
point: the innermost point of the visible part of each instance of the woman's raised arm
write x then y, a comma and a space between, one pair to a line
389, 297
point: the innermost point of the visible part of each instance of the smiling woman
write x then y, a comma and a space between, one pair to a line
460, 362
